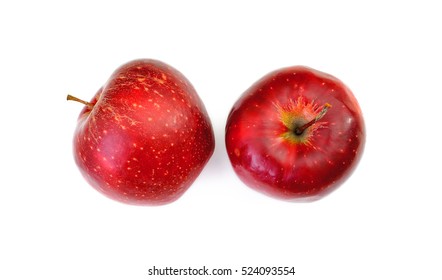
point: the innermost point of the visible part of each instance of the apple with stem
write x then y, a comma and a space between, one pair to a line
296, 134
145, 136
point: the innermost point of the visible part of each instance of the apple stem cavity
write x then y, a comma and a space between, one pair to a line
73, 98
299, 130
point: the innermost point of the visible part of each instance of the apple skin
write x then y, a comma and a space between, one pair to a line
267, 154
146, 136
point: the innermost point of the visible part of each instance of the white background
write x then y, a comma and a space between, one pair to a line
383, 223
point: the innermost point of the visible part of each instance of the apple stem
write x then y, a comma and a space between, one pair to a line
73, 98
300, 130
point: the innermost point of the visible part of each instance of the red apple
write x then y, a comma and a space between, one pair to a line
296, 134
145, 136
